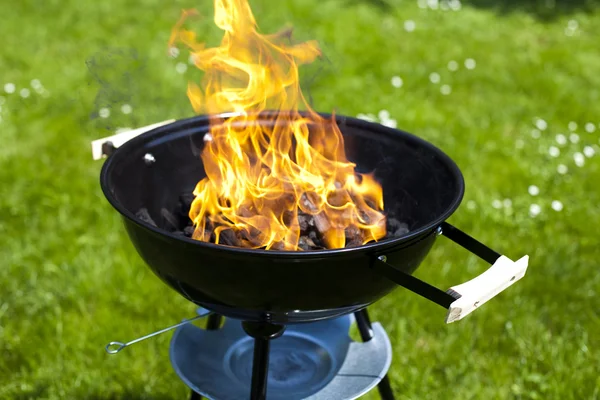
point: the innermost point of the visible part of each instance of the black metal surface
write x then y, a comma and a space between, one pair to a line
283, 317
422, 187
262, 333
214, 322
263, 330
260, 369
469, 243
195, 396
415, 285
385, 389
363, 323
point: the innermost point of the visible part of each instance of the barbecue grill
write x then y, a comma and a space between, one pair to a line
269, 290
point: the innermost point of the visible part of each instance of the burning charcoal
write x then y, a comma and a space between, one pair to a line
188, 231
229, 237
322, 222
338, 198
392, 224
303, 221
208, 230
370, 203
278, 246
307, 203
403, 230
353, 236
352, 231
316, 240
250, 235
306, 243
364, 217
396, 228
170, 222
354, 243
186, 200
302, 243
213, 237
287, 218
144, 215
182, 212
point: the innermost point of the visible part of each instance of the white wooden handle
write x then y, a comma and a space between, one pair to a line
474, 293
120, 138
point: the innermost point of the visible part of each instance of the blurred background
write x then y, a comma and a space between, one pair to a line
510, 90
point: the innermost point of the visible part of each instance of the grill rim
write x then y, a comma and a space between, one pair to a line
341, 120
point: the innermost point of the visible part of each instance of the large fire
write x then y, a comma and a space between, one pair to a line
260, 177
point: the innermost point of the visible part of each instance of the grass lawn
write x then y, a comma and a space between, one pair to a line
70, 281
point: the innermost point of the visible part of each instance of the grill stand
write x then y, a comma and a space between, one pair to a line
263, 333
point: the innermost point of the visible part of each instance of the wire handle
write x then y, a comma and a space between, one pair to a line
115, 347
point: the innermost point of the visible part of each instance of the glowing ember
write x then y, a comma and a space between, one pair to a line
262, 177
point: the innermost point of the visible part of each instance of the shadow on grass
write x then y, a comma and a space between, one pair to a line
545, 10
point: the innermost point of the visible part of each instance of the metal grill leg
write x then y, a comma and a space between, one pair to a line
363, 322
214, 322
195, 396
262, 333
260, 369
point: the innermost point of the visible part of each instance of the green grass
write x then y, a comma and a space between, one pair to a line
70, 281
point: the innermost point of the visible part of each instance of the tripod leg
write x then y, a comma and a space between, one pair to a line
214, 322
262, 333
260, 368
195, 396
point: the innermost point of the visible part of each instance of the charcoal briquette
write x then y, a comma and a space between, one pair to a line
186, 200
144, 215
396, 228
170, 222
229, 237
303, 221
188, 231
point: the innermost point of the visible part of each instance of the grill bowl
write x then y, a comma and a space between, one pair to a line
422, 186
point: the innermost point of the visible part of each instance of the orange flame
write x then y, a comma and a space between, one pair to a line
259, 176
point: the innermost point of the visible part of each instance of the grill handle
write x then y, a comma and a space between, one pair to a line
102, 148
463, 299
